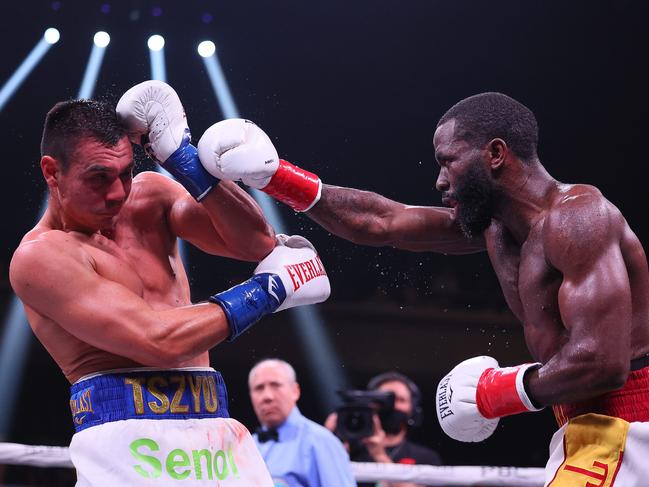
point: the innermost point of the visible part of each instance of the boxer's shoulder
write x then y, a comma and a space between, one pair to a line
154, 189
578, 207
47, 240
580, 223
41, 252
149, 178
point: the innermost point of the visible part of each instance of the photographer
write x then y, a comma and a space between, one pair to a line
386, 440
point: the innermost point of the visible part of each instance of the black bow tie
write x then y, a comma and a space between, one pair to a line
265, 435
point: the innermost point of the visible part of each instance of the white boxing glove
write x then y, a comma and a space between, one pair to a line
155, 118
238, 150
153, 110
291, 275
296, 262
473, 396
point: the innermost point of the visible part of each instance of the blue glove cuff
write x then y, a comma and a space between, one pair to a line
186, 167
246, 303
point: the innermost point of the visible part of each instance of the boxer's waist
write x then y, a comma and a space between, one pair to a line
148, 394
630, 403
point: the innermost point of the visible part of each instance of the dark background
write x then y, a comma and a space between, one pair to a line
352, 90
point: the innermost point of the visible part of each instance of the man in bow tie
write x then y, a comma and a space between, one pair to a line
297, 451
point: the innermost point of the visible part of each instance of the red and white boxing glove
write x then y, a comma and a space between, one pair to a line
291, 275
238, 150
473, 396
296, 262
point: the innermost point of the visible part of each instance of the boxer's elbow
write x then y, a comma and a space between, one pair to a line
163, 350
613, 376
602, 374
252, 246
262, 245
167, 356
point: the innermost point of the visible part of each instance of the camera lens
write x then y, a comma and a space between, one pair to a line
355, 421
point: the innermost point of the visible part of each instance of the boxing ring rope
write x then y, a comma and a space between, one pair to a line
58, 456
35, 456
449, 475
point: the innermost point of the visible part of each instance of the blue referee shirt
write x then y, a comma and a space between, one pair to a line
306, 455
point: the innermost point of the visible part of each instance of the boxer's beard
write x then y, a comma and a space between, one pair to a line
475, 196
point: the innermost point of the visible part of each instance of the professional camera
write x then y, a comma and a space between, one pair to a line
355, 415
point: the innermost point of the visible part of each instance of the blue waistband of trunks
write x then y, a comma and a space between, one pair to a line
148, 394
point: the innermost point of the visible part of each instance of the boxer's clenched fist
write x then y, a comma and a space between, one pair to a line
473, 396
291, 275
238, 150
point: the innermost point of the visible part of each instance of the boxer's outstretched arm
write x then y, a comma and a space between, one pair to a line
368, 218
582, 241
55, 277
226, 222
238, 150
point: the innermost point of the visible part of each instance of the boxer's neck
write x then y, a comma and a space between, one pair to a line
524, 200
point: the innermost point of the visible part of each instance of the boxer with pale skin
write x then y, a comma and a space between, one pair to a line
106, 292
570, 267
105, 252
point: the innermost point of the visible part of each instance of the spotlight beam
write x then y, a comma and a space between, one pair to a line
159, 72
17, 335
26, 67
157, 58
94, 64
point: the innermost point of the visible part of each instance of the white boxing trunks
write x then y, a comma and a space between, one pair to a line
604, 441
149, 427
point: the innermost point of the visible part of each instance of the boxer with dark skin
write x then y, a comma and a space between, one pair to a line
570, 267
100, 274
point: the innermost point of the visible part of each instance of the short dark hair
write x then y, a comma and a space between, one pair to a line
70, 121
486, 116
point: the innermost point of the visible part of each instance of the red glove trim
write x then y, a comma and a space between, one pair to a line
293, 186
498, 393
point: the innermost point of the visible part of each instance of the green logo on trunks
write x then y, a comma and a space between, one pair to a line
179, 465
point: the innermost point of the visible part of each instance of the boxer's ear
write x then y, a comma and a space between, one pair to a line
51, 169
497, 153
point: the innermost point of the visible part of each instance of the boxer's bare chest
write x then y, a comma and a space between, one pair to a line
530, 287
143, 258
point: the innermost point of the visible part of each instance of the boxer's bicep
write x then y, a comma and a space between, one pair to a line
67, 290
595, 295
597, 299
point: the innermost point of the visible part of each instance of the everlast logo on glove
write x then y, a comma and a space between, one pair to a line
444, 396
303, 272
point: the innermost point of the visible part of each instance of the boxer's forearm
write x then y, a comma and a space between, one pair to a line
368, 218
360, 216
240, 221
565, 380
179, 334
